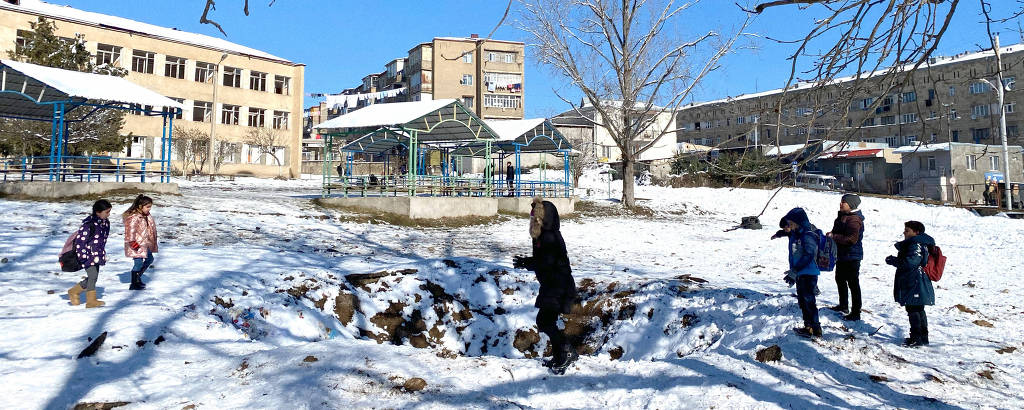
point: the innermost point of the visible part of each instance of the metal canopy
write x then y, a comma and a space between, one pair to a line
434, 121
31, 91
535, 135
377, 142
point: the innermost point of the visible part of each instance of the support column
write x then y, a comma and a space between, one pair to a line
488, 167
413, 165
519, 170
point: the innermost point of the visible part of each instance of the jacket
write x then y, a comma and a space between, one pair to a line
91, 241
848, 232
141, 229
803, 244
551, 264
912, 287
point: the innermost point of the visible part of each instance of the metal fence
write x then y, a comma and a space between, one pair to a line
85, 169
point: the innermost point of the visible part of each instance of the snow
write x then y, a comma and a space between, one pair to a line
509, 130
909, 149
379, 115
119, 23
92, 86
686, 344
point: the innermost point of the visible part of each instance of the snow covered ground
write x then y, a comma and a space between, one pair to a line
680, 305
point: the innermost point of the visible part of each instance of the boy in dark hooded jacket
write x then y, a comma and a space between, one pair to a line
848, 232
912, 288
550, 262
803, 267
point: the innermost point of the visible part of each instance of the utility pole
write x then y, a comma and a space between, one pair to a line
1002, 122
211, 156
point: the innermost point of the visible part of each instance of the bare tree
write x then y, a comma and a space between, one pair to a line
623, 57
190, 146
267, 141
583, 157
211, 5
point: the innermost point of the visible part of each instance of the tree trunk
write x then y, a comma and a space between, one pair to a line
628, 197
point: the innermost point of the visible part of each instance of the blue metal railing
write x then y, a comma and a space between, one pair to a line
85, 169
437, 185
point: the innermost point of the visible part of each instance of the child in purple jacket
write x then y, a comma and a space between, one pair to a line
90, 245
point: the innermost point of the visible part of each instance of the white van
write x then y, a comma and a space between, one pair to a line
816, 181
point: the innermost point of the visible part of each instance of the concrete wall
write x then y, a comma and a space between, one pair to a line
521, 205
53, 190
934, 184
448, 207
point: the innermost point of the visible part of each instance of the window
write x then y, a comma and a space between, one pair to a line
979, 87
107, 54
972, 162
980, 134
933, 115
909, 118
229, 114
864, 104
281, 85
1009, 81
257, 81
892, 141
910, 96
467, 79
993, 163
232, 77
843, 168
868, 122
955, 135
174, 67
139, 109
1010, 107
21, 41
205, 72
1012, 131
909, 140
928, 163
202, 111
256, 117
931, 94
467, 101
501, 57
280, 120
952, 91
468, 57
953, 115
741, 120
980, 110
504, 101
179, 114
142, 61
888, 120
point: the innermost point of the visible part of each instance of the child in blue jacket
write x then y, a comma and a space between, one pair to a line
803, 267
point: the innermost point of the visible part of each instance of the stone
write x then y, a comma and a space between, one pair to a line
414, 384
771, 353
310, 359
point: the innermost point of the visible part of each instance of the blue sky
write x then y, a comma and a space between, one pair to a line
340, 41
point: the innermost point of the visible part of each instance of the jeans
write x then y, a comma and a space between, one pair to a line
142, 264
848, 277
91, 274
805, 285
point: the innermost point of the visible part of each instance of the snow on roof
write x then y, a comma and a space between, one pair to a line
509, 130
909, 149
933, 62
380, 115
860, 153
119, 23
92, 86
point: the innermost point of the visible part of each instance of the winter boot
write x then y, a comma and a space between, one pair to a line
90, 300
840, 308
807, 331
853, 316
923, 335
75, 294
568, 356
136, 281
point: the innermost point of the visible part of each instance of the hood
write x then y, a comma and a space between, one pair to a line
921, 238
543, 218
853, 212
798, 216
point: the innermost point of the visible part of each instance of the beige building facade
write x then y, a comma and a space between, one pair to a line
254, 90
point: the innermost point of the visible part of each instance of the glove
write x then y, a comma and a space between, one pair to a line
522, 262
790, 278
134, 245
779, 234
891, 260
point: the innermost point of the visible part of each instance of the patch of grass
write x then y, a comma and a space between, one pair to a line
372, 216
593, 209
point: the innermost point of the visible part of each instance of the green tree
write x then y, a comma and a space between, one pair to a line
101, 132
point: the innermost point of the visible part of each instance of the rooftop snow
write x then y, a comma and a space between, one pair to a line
119, 23
68, 83
909, 149
381, 115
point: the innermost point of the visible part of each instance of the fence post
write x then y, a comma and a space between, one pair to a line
24, 165
143, 171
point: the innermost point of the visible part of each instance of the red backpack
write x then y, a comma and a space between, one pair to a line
936, 263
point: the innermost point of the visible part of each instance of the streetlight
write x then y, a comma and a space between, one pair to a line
1000, 92
213, 116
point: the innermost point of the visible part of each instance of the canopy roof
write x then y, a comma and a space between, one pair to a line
28, 90
535, 135
444, 120
377, 142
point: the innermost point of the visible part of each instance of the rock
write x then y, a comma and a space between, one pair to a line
141, 343
771, 353
310, 359
100, 405
525, 340
1008, 349
878, 379
159, 339
986, 374
93, 347
983, 323
50, 292
345, 306
750, 222
414, 384
617, 352
4, 260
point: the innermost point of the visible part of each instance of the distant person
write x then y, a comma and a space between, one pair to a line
990, 195
373, 180
341, 170
803, 268
90, 245
848, 232
912, 288
1015, 197
510, 177
140, 240
557, 294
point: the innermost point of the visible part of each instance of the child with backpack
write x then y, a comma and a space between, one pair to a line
139, 238
912, 287
803, 266
89, 246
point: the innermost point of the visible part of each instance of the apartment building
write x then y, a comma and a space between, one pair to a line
254, 89
946, 100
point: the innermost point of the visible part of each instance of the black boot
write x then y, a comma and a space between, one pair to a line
136, 281
565, 357
923, 335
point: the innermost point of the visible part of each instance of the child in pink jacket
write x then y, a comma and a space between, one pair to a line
139, 238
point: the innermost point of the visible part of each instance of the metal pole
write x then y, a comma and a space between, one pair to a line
213, 118
1002, 124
